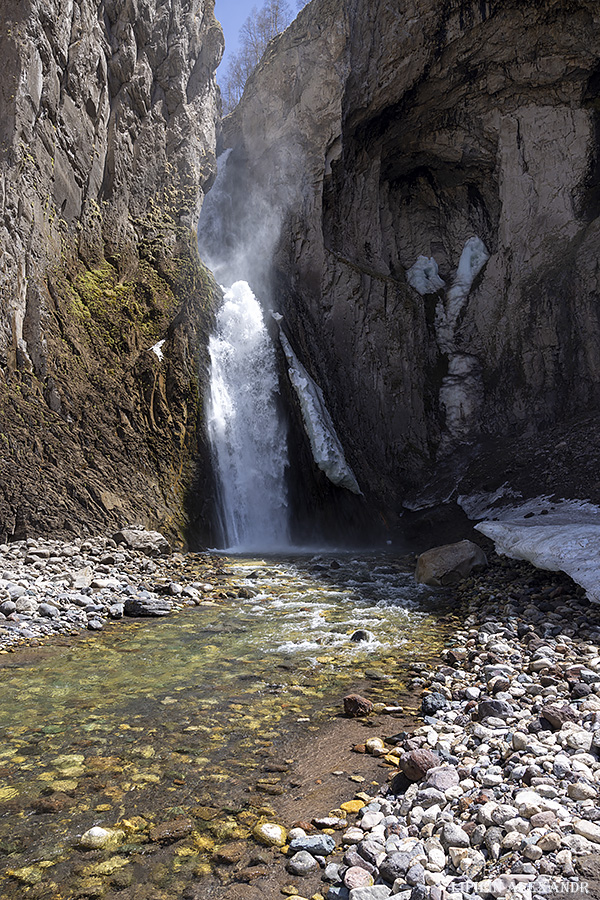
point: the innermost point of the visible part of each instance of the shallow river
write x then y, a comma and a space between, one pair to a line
157, 719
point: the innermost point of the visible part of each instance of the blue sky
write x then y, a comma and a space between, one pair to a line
232, 14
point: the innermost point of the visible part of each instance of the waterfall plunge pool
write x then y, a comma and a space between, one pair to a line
152, 720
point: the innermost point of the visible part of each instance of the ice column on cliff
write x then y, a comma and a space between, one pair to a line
423, 276
461, 393
326, 447
472, 260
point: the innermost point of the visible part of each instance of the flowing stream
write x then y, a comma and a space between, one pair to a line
155, 719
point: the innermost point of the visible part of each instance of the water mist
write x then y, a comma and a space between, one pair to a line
247, 436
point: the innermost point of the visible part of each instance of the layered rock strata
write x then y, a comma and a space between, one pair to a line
108, 115
436, 172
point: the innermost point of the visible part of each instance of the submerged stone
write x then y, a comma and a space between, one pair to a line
270, 833
97, 838
171, 831
356, 706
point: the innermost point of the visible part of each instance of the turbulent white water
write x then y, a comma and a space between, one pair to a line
247, 436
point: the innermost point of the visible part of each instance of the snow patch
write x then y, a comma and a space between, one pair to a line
157, 349
423, 276
326, 447
570, 548
552, 511
556, 535
481, 505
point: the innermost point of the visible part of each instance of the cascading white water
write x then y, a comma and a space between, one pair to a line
247, 436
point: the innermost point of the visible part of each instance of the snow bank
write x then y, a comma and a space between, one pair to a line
574, 549
558, 536
157, 349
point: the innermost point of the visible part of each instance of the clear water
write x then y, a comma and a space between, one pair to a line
160, 718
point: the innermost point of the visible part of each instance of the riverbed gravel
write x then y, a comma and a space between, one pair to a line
496, 790
50, 588
497, 787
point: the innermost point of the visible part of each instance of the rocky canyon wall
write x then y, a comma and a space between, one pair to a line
388, 132
107, 136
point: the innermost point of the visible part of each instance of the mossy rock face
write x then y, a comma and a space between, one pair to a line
103, 430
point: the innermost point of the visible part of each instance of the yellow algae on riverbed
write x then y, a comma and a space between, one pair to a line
133, 825
65, 785
222, 717
27, 875
107, 867
68, 760
203, 842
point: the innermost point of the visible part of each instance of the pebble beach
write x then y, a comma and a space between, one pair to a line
490, 791
495, 791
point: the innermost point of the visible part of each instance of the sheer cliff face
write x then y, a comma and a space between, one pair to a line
409, 129
107, 137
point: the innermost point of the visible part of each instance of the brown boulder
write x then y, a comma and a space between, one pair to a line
53, 803
417, 763
355, 706
558, 715
230, 854
449, 564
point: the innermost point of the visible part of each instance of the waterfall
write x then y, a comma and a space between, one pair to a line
247, 436
237, 234
246, 432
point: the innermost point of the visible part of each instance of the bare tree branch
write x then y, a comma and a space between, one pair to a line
256, 32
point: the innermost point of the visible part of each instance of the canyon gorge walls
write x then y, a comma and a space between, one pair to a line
108, 113
455, 146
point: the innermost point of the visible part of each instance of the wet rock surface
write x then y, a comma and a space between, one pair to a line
383, 183
107, 141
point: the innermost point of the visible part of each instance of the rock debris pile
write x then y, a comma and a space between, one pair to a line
499, 785
51, 587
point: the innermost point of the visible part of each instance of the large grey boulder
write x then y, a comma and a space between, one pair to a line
152, 543
448, 564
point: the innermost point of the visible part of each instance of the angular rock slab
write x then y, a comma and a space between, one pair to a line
377, 892
317, 844
147, 606
448, 564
